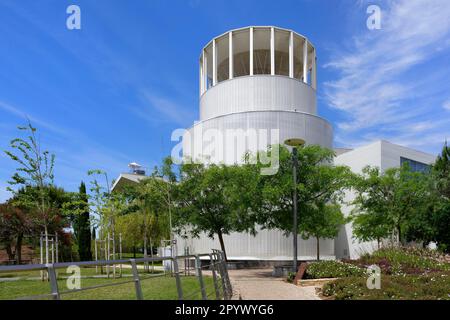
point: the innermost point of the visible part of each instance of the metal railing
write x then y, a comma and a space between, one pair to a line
201, 266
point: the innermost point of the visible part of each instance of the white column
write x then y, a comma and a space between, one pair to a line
230, 56
201, 75
251, 51
272, 51
305, 61
314, 70
214, 63
291, 55
205, 71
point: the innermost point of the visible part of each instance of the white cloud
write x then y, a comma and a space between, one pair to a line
165, 107
20, 113
446, 105
379, 87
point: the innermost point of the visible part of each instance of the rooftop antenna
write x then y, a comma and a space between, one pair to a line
136, 168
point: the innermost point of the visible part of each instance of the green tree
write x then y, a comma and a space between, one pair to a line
320, 187
214, 199
441, 217
323, 222
35, 170
146, 212
14, 225
82, 226
392, 198
370, 226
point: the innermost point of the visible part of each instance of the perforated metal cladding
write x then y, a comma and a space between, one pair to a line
266, 245
257, 93
312, 129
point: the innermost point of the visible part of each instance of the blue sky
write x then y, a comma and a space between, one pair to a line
112, 92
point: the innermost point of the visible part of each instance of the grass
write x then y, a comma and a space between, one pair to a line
85, 272
153, 288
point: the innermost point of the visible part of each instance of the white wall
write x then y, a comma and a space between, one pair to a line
257, 93
270, 245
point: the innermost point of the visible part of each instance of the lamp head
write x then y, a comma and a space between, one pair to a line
294, 142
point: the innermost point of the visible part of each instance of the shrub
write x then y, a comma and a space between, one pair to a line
433, 286
291, 277
398, 261
332, 269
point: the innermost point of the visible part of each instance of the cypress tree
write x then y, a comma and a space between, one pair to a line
83, 228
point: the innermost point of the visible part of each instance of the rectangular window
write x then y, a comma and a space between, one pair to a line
209, 66
298, 57
261, 51
415, 166
282, 52
223, 64
241, 50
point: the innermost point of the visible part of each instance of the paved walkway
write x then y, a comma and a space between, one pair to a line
258, 284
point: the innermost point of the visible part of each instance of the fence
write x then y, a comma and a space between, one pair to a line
201, 276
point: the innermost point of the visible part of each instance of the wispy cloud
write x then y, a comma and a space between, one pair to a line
164, 109
446, 105
387, 84
21, 113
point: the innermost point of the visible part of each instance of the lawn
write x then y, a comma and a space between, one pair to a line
85, 272
153, 288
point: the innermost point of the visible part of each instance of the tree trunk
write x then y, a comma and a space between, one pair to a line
399, 232
318, 248
46, 245
9, 252
134, 252
378, 243
222, 244
19, 248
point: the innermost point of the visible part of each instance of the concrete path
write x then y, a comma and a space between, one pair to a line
258, 284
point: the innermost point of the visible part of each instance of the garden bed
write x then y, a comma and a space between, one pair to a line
406, 274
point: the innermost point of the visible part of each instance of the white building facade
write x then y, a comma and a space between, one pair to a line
258, 87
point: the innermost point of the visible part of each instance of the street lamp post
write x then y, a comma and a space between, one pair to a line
295, 143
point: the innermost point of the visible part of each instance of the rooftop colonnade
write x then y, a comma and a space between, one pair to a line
257, 51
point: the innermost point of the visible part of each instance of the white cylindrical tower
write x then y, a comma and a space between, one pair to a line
257, 87
255, 80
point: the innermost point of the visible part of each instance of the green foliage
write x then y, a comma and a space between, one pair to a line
332, 269
82, 226
54, 217
215, 199
291, 277
412, 205
145, 214
34, 172
320, 188
441, 215
406, 273
386, 202
14, 225
433, 286
400, 261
